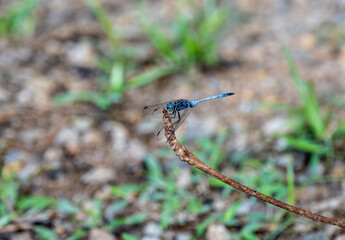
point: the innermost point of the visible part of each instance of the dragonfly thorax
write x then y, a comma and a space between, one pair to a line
178, 105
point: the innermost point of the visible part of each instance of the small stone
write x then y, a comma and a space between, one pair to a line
136, 150
25, 96
283, 160
22, 236
82, 125
276, 126
31, 168
52, 158
97, 234
244, 208
31, 135
209, 124
81, 54
217, 232
184, 179
66, 136
36, 92
92, 138
340, 237
21, 163
73, 148
119, 135
13, 156
104, 193
150, 238
53, 47
315, 236
152, 229
307, 41
183, 236
98, 175
219, 205
4, 95
147, 126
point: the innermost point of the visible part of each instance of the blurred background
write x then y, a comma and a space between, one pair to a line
79, 159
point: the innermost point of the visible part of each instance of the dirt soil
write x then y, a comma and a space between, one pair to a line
77, 151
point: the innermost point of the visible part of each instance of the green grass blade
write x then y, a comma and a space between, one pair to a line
117, 78
158, 38
18, 18
4, 220
155, 171
150, 76
313, 113
64, 98
35, 204
127, 236
230, 213
45, 233
307, 95
65, 206
306, 145
201, 227
78, 234
104, 20
290, 179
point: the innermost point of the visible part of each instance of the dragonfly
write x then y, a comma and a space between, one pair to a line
178, 111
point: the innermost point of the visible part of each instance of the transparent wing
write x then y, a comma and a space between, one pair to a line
176, 122
156, 110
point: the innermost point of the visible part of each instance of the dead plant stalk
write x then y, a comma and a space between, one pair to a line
188, 157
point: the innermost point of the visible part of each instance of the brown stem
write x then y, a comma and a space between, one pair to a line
192, 160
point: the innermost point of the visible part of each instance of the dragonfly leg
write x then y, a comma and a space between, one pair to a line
173, 114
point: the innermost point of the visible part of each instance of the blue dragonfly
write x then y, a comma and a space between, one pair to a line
178, 111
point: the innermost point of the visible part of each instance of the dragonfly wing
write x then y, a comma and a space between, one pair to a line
156, 110
176, 122
161, 132
183, 115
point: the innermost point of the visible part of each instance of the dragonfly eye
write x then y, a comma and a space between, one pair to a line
170, 106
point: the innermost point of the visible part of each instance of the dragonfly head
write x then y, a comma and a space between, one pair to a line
170, 106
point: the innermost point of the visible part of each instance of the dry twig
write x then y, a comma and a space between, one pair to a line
192, 160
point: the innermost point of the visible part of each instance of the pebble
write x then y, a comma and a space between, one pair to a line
217, 232
31, 135
208, 125
98, 175
23, 164
119, 135
183, 236
121, 143
92, 138
82, 124
147, 126
276, 126
52, 158
97, 234
31, 168
81, 54
104, 193
36, 92
150, 238
244, 208
66, 136
283, 160
152, 229
4, 95
340, 237
315, 236
136, 150
184, 179
22, 236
